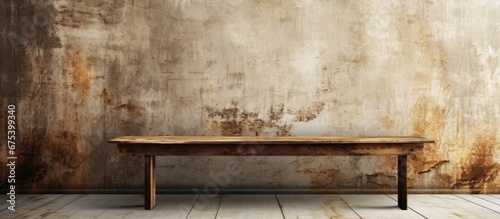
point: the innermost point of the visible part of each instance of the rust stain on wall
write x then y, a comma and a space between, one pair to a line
78, 69
478, 167
428, 122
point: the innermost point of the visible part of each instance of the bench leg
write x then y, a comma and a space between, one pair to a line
150, 182
402, 189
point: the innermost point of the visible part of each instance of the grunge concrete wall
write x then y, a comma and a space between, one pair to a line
82, 72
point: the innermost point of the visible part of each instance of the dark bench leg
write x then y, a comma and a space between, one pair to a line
150, 182
402, 190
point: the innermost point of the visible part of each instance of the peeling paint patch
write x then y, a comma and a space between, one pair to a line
234, 122
308, 114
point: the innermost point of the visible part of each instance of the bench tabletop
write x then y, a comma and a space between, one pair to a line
267, 139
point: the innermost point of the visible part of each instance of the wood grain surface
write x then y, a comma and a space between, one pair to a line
268, 146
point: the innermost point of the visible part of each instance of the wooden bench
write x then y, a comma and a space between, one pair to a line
151, 146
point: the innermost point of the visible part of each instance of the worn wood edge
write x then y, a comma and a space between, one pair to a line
271, 150
268, 139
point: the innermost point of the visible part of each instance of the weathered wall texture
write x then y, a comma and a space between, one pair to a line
82, 72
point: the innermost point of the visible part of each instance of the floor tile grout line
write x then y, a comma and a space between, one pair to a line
218, 208
486, 199
408, 207
349, 206
493, 196
476, 203
194, 203
64, 205
279, 205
